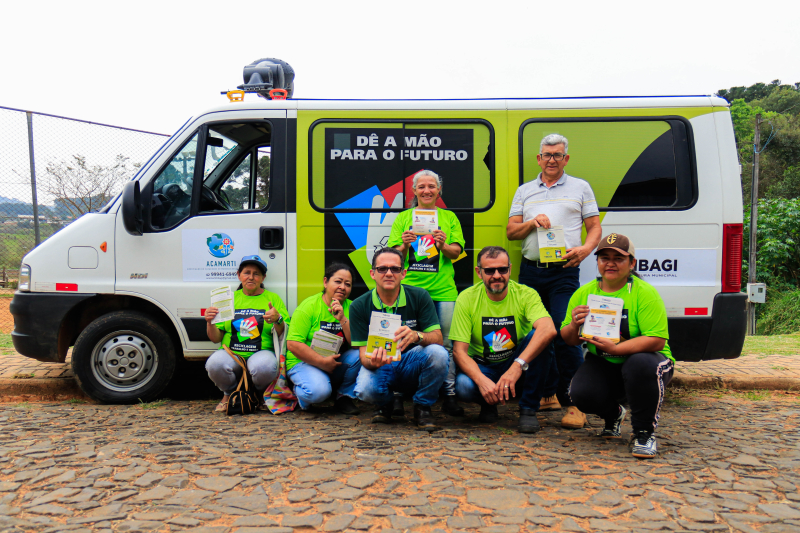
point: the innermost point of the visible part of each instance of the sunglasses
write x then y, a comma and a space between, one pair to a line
385, 269
502, 270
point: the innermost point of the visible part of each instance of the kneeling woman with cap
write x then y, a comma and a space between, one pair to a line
249, 334
639, 366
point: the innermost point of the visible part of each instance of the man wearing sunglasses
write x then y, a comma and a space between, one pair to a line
555, 198
423, 363
502, 342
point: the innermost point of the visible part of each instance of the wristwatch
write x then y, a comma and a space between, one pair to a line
280, 320
522, 363
420, 335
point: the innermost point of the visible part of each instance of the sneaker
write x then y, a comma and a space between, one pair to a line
574, 419
488, 414
549, 404
382, 415
528, 423
644, 444
423, 417
613, 427
345, 405
397, 406
451, 407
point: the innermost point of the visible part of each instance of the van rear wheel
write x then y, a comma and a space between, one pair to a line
123, 357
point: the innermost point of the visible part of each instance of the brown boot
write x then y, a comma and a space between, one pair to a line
549, 404
574, 419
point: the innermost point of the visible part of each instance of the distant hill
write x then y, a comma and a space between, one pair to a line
4, 200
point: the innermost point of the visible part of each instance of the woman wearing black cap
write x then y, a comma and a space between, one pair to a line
639, 366
249, 334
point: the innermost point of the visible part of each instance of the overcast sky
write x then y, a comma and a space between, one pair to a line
150, 65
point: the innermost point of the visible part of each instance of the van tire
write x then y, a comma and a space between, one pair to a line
123, 357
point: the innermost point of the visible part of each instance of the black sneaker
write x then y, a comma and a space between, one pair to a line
488, 414
451, 407
346, 406
613, 428
528, 423
644, 444
423, 417
397, 406
383, 415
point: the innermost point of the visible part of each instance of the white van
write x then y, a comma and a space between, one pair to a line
306, 182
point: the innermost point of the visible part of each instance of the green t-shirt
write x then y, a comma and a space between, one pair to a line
427, 267
643, 313
311, 316
414, 306
494, 329
247, 333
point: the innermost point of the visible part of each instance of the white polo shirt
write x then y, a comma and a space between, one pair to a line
566, 204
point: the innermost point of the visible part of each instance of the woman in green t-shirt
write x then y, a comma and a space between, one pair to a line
256, 313
639, 366
316, 376
429, 265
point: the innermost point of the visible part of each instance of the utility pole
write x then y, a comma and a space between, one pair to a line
34, 199
751, 264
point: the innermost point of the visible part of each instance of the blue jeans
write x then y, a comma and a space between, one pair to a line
555, 286
532, 380
420, 371
313, 385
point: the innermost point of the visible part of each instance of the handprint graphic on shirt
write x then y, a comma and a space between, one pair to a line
498, 341
425, 247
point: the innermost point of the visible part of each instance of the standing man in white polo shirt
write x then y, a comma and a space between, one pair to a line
555, 198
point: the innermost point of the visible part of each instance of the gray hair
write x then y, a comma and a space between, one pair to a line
421, 174
554, 139
491, 252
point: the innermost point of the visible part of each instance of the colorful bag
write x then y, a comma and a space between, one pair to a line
279, 396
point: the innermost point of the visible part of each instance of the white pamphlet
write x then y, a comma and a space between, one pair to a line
326, 344
552, 245
222, 299
424, 221
381, 334
603, 320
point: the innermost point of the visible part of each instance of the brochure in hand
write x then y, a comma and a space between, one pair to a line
381, 334
424, 221
222, 299
605, 314
326, 344
552, 245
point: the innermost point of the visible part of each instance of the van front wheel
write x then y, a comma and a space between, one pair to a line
123, 357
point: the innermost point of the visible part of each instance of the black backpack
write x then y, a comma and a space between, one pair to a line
244, 400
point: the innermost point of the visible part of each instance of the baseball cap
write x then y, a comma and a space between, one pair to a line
618, 242
254, 260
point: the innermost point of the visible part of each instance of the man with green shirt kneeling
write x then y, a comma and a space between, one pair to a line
501, 334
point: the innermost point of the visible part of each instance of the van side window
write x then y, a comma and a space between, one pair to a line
357, 166
631, 163
172, 188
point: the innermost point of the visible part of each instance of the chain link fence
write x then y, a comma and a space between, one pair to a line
53, 170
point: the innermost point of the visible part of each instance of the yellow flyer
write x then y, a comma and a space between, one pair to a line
552, 245
381, 334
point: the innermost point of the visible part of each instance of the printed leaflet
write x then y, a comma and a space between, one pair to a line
326, 344
222, 299
424, 221
381, 334
605, 314
552, 246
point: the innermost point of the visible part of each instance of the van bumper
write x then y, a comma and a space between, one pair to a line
37, 321
720, 336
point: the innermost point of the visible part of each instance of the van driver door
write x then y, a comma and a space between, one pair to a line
219, 197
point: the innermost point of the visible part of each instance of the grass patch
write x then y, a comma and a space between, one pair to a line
153, 405
74, 400
779, 368
506, 431
680, 397
780, 315
22, 376
474, 439
5, 341
755, 395
772, 345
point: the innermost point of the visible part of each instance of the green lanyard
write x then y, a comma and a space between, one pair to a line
386, 309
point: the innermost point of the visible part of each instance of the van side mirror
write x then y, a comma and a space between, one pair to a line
132, 209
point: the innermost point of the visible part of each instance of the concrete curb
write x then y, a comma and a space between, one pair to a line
44, 388
735, 382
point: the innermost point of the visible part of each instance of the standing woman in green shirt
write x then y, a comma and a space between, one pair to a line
429, 265
257, 312
316, 377
640, 366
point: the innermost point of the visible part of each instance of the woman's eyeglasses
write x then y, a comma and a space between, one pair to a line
385, 269
502, 270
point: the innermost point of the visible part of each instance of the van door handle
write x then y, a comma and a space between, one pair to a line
270, 238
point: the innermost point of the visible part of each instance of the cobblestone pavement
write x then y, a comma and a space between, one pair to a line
725, 465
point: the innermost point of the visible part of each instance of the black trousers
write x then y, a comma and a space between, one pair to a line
600, 386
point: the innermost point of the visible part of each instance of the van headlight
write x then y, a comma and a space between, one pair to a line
24, 277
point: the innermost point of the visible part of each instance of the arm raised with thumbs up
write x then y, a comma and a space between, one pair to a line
272, 316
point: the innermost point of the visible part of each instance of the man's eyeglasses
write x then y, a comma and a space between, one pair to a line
502, 270
385, 269
557, 157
